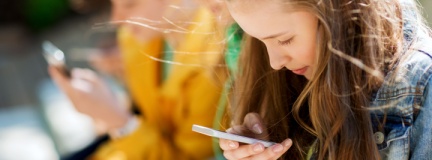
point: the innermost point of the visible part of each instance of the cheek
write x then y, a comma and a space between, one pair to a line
305, 54
307, 50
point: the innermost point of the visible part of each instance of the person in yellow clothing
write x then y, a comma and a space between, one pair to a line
169, 108
170, 103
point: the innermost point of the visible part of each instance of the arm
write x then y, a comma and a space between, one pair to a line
195, 104
421, 137
91, 96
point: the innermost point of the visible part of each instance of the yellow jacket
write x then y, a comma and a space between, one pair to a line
188, 96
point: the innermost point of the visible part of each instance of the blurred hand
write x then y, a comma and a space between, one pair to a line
254, 128
109, 63
91, 96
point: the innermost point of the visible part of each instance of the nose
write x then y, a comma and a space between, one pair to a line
277, 59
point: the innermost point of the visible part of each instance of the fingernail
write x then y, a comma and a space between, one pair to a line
257, 129
232, 144
287, 143
277, 148
258, 147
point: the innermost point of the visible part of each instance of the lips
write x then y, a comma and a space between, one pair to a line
300, 71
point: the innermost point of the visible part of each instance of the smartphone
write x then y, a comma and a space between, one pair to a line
229, 136
55, 57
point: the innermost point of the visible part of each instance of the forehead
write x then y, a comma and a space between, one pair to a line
263, 17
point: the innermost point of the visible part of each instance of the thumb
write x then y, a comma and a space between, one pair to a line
252, 127
254, 123
59, 78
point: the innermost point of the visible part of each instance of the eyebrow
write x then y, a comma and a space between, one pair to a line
274, 35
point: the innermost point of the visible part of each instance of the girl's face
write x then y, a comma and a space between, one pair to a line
290, 37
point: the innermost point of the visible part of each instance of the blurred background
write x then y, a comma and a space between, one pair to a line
37, 122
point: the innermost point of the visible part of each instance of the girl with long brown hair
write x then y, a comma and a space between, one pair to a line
351, 81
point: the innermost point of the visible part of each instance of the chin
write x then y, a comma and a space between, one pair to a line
308, 76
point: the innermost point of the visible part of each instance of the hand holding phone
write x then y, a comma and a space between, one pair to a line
229, 136
55, 57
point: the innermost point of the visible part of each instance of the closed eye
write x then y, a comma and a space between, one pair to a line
287, 42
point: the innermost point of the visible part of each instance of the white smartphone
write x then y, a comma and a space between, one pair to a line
229, 136
55, 57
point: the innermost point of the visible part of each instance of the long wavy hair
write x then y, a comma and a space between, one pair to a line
358, 41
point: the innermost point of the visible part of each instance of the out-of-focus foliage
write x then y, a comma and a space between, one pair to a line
426, 9
40, 14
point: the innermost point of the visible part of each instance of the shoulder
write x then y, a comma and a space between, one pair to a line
397, 102
414, 67
405, 85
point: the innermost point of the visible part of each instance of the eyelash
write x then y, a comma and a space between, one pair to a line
287, 42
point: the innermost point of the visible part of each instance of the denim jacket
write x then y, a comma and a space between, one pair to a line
402, 107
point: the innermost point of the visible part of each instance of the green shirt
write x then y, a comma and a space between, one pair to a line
234, 36
167, 56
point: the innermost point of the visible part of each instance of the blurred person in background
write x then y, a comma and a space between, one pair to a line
170, 97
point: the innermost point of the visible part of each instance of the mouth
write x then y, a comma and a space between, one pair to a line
300, 71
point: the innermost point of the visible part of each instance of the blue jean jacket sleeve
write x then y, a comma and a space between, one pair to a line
421, 138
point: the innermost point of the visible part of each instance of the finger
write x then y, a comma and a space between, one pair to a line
244, 131
275, 151
228, 144
55, 73
253, 122
244, 151
60, 79
81, 85
234, 129
241, 130
85, 74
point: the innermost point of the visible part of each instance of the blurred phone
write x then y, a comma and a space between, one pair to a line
55, 57
229, 136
